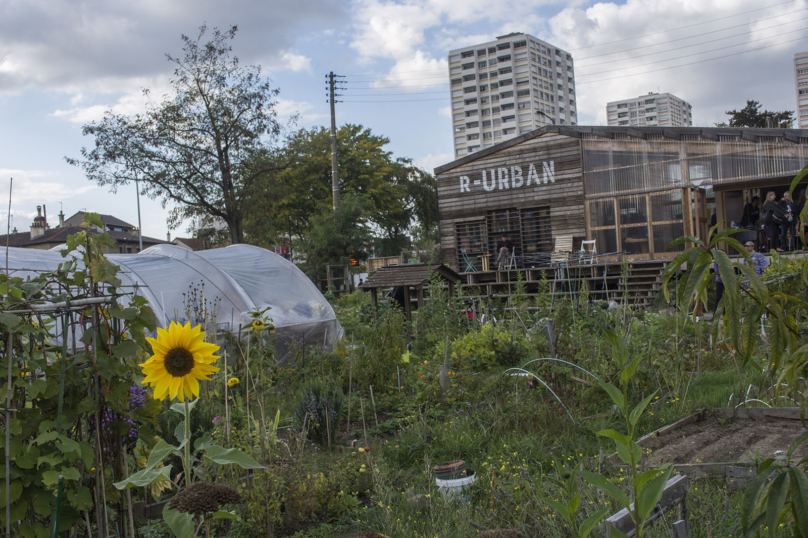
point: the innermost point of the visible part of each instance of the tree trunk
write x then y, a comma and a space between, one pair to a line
236, 229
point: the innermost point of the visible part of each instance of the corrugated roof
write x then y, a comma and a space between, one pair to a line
108, 220
407, 275
676, 133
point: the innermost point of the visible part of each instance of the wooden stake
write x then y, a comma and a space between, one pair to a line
364, 426
373, 401
128, 493
350, 381
226, 404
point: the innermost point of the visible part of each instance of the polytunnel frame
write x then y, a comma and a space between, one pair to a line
157, 251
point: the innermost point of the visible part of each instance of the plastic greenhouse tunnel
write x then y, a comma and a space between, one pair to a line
233, 281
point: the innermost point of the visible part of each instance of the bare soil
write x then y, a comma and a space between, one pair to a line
740, 440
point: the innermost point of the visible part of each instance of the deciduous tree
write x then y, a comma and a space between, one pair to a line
202, 149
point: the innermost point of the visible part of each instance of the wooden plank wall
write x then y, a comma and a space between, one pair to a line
565, 196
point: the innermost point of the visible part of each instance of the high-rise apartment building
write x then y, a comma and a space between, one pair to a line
506, 87
652, 110
801, 81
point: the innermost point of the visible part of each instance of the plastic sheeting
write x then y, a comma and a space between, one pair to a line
240, 278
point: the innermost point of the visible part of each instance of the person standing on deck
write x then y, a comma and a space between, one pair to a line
773, 215
504, 249
787, 229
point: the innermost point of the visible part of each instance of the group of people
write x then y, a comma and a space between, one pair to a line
778, 219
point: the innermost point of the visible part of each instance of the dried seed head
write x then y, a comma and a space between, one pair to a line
204, 497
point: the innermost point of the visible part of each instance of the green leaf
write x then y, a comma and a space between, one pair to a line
122, 313
51, 478
574, 504
732, 295
9, 320
127, 348
223, 456
695, 276
92, 219
158, 453
777, 498
180, 407
626, 447
43, 503
179, 432
558, 507
796, 181
592, 521
672, 268
15, 489
600, 482
799, 500
630, 370
614, 393
651, 493
638, 410
103, 270
145, 477
750, 497
796, 443
180, 523
81, 498
53, 459
641, 480
203, 443
614, 532
224, 514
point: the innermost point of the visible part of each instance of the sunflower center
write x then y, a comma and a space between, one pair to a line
179, 362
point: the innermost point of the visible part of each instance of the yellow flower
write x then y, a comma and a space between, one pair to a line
258, 325
233, 381
181, 358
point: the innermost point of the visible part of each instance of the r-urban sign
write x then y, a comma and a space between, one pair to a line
510, 178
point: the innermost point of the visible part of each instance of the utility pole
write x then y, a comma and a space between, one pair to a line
334, 165
139, 225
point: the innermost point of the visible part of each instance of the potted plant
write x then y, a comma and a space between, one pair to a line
450, 470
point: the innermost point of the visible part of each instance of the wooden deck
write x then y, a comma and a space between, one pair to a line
604, 280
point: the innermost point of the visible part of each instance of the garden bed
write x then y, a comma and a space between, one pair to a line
712, 442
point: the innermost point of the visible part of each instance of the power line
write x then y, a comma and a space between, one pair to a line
705, 42
680, 27
399, 87
620, 40
692, 36
386, 94
396, 100
694, 54
691, 63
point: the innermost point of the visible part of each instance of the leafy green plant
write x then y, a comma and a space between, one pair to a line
569, 510
778, 496
646, 487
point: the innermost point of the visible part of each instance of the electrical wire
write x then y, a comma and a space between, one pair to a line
612, 42
680, 27
704, 43
615, 78
692, 36
690, 55
692, 63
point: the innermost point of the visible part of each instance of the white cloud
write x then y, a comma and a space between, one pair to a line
287, 108
596, 37
295, 62
445, 111
31, 186
433, 160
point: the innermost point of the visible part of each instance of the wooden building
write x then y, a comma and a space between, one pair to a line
632, 190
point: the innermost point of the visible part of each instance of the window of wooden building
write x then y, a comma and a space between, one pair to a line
471, 241
504, 222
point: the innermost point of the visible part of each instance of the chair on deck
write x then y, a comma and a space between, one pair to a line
511, 263
588, 253
559, 258
470, 267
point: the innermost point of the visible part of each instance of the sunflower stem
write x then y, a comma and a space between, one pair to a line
187, 460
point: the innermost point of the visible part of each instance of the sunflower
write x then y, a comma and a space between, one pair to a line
233, 381
181, 358
258, 325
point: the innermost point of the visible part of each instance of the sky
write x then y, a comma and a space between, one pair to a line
64, 63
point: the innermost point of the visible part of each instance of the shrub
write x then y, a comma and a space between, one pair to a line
322, 402
489, 347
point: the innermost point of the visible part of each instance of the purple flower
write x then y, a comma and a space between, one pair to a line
216, 419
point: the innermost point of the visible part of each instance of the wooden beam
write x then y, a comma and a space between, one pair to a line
675, 492
749, 136
672, 134
374, 293
420, 290
635, 133
709, 135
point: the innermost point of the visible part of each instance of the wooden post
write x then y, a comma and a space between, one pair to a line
649, 213
407, 306
721, 214
420, 296
374, 293
680, 529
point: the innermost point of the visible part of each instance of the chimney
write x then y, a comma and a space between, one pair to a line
45, 215
168, 236
61, 219
39, 225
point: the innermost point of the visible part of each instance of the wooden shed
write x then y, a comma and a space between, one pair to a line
406, 277
631, 190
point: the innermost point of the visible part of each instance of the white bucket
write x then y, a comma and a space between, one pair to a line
453, 487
